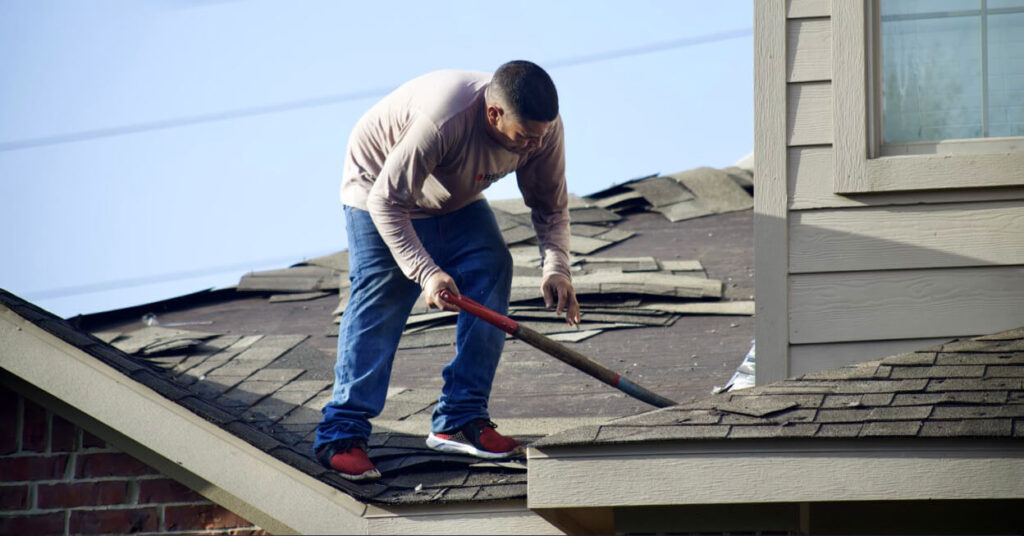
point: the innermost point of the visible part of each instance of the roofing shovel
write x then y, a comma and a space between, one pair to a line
557, 350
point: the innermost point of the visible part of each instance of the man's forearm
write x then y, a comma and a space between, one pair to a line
553, 238
395, 228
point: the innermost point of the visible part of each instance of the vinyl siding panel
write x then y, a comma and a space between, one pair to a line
806, 358
808, 50
915, 236
904, 304
809, 114
796, 9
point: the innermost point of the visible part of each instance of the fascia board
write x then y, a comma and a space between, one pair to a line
718, 472
247, 480
497, 517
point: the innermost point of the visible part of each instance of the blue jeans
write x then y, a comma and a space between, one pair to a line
466, 244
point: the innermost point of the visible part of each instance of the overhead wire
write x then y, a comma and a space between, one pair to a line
289, 106
64, 292
328, 100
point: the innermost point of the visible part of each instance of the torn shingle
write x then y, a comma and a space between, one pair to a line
661, 191
154, 339
756, 406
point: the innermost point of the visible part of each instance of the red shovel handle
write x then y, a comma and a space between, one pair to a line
494, 318
556, 350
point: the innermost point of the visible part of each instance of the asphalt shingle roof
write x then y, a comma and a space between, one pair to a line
257, 360
961, 389
420, 475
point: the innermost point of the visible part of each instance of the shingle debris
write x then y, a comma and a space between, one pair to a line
668, 288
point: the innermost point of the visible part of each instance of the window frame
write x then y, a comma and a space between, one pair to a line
861, 164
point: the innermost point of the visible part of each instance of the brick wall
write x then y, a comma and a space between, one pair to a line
56, 478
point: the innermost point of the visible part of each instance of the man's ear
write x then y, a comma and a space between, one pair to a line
494, 112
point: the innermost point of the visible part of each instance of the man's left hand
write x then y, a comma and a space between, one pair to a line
558, 289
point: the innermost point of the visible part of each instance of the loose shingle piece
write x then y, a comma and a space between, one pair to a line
295, 279
668, 288
614, 292
154, 339
977, 397
681, 196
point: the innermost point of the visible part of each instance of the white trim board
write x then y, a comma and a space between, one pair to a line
770, 471
811, 186
771, 233
504, 517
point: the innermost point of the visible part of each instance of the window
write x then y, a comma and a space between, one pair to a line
928, 94
950, 69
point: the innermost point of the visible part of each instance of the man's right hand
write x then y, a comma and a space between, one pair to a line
437, 282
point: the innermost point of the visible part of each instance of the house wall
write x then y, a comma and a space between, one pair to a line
865, 275
56, 478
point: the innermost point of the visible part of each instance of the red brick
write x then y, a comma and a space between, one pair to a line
90, 441
14, 497
62, 435
25, 468
8, 416
70, 495
40, 525
201, 517
110, 464
121, 521
165, 490
33, 437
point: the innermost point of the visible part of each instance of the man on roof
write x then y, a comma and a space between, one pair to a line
417, 222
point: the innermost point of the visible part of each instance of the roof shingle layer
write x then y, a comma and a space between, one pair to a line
964, 388
233, 402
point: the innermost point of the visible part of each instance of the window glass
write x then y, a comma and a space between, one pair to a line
1006, 74
951, 69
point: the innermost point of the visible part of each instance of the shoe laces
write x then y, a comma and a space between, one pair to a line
487, 422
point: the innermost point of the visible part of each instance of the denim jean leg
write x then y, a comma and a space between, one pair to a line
379, 304
481, 265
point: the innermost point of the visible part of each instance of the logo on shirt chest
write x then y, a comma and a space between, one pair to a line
489, 177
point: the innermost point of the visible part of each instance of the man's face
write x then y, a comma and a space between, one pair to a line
521, 136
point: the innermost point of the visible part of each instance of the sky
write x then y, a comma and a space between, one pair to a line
154, 148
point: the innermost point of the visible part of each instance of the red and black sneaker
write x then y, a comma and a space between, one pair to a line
348, 457
476, 438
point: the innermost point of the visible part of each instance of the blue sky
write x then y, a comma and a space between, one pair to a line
152, 148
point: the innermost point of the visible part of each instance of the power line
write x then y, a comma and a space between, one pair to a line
239, 113
191, 120
652, 47
64, 292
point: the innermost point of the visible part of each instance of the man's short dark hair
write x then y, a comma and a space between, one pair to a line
527, 89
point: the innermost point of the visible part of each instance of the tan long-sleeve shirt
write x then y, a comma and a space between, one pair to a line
423, 150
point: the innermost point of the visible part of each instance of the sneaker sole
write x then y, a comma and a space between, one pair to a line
454, 447
372, 474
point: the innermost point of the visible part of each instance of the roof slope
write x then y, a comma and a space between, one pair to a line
258, 362
962, 389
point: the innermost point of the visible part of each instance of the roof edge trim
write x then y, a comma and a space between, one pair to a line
717, 472
244, 479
